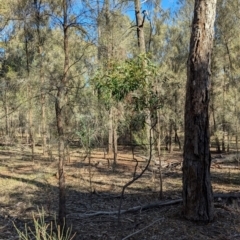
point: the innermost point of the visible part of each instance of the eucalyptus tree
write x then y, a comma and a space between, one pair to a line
106, 54
68, 24
197, 189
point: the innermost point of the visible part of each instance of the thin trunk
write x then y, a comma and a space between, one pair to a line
159, 154
105, 16
170, 136
218, 149
215, 133
59, 105
110, 131
197, 189
43, 107
43, 120
228, 139
41, 76
31, 127
29, 93
139, 24
236, 124
6, 109
142, 50
235, 95
176, 138
115, 146
223, 115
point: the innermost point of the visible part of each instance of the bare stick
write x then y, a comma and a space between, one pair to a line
135, 168
130, 210
135, 177
142, 229
143, 207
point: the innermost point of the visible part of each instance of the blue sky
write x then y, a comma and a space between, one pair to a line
165, 4
169, 4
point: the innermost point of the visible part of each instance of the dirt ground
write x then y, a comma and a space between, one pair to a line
94, 193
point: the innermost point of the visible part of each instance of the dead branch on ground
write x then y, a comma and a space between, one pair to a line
144, 207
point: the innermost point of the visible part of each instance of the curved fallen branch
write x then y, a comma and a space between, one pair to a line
144, 207
130, 210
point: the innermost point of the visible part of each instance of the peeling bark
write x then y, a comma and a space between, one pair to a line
197, 189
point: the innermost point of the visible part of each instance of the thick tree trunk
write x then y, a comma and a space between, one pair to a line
197, 189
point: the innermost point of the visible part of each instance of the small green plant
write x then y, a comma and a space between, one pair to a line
44, 231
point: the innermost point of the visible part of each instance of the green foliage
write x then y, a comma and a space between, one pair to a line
122, 78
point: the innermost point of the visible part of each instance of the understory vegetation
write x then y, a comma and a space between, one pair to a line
92, 119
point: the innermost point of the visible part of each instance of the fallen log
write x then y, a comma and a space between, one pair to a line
130, 210
143, 207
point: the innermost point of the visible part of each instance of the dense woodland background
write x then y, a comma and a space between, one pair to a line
94, 75
105, 77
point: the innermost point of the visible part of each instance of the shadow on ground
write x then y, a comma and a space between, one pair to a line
28, 186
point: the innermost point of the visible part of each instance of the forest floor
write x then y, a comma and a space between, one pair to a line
94, 193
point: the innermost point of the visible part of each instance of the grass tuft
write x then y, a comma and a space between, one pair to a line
43, 230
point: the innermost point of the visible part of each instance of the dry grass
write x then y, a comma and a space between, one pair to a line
92, 185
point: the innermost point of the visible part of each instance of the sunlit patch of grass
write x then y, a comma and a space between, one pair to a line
44, 230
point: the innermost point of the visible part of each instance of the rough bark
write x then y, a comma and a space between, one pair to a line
197, 189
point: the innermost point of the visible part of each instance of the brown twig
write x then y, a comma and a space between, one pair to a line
136, 177
140, 230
